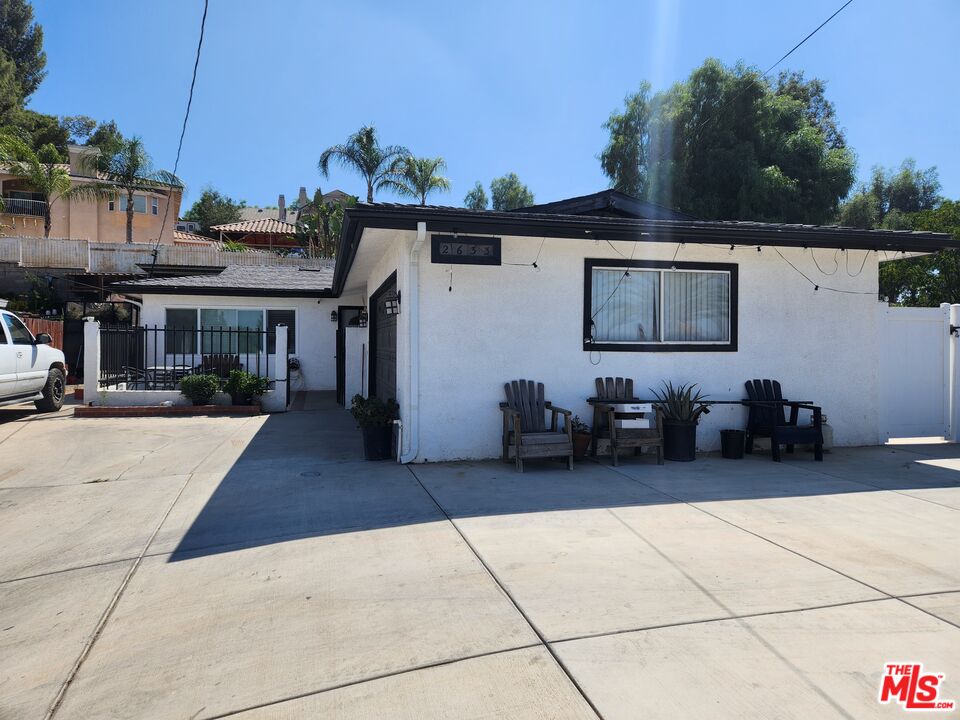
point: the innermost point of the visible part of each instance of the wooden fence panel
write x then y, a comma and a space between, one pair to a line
53, 328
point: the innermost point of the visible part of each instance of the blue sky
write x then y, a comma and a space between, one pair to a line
493, 87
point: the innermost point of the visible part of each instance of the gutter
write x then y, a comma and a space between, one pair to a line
413, 370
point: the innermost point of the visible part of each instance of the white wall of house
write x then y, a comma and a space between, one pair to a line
508, 322
316, 334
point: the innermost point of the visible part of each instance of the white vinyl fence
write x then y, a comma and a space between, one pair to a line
918, 366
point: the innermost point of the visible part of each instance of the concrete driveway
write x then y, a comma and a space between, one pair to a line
252, 567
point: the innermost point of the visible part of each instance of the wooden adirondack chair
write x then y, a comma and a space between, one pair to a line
617, 391
525, 429
767, 419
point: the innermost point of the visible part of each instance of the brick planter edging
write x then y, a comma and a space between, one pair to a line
164, 410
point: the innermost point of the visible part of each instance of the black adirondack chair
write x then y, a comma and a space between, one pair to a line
768, 419
525, 430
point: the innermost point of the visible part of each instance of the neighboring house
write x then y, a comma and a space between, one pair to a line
181, 237
460, 302
188, 226
97, 221
256, 298
265, 234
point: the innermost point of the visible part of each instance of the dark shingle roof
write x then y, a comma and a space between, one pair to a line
241, 280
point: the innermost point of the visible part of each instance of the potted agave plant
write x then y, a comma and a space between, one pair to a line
375, 418
681, 408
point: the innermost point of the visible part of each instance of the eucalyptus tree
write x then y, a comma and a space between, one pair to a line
418, 177
476, 199
363, 153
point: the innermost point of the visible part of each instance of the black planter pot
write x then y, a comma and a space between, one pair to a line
732, 443
679, 441
240, 399
377, 441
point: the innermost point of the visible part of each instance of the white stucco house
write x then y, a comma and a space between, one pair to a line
461, 301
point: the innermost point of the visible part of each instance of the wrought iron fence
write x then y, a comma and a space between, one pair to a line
158, 357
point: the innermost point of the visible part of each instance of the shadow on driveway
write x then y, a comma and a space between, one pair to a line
302, 476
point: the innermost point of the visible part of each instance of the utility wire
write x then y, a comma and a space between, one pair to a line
183, 132
790, 52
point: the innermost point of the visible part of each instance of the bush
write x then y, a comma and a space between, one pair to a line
200, 389
246, 386
373, 412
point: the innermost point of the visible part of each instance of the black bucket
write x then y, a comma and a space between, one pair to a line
731, 443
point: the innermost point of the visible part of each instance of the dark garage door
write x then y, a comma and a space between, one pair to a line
383, 312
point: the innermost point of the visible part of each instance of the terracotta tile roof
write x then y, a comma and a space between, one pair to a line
179, 236
265, 225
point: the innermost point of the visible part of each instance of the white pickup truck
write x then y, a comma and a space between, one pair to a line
30, 369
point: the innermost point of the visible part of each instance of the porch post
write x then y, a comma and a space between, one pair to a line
953, 399
91, 360
280, 370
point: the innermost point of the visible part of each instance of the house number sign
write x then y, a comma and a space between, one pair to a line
465, 250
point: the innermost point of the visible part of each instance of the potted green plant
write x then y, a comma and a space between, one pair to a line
375, 418
681, 408
199, 389
581, 437
243, 387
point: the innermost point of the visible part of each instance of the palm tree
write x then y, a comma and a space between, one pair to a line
44, 171
129, 171
418, 177
362, 152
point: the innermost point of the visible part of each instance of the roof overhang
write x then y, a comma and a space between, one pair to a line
706, 232
231, 291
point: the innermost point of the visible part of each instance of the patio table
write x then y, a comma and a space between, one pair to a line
166, 374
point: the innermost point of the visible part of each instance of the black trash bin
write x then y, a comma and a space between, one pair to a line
731, 443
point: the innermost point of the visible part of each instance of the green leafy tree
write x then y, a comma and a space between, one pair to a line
729, 144
107, 137
509, 193
213, 208
418, 177
21, 39
130, 171
363, 153
11, 97
321, 222
44, 172
476, 199
928, 280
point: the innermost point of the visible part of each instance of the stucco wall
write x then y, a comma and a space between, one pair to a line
316, 334
509, 322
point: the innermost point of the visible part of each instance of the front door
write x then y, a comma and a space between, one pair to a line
384, 306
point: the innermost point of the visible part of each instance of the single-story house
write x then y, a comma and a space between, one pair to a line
460, 301
260, 297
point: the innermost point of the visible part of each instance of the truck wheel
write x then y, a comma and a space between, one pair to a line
52, 392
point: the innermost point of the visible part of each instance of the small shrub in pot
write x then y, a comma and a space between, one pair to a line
200, 389
244, 386
581, 437
375, 418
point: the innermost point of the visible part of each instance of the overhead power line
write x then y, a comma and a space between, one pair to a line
183, 129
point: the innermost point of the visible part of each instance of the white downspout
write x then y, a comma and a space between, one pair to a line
412, 426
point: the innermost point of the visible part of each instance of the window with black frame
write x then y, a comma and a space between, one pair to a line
635, 306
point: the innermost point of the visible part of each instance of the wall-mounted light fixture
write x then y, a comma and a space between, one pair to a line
362, 317
391, 304
333, 316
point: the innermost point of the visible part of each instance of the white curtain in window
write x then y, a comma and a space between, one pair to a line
625, 308
696, 306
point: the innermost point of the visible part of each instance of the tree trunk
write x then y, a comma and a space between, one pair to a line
129, 217
47, 221
369, 191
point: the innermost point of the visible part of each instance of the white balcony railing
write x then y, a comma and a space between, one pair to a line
18, 206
